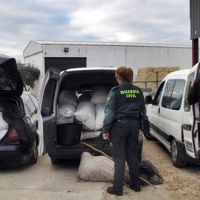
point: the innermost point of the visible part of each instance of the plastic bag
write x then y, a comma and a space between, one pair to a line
68, 96
99, 116
65, 114
85, 114
99, 94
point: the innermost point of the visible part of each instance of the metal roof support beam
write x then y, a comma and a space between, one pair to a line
195, 51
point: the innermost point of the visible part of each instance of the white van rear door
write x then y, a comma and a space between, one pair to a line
191, 120
47, 111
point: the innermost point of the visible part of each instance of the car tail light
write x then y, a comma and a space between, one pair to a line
13, 137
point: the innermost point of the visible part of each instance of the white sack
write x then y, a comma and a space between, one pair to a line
3, 126
97, 168
68, 96
65, 114
99, 94
99, 116
85, 113
89, 134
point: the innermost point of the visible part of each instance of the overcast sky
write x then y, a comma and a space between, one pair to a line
140, 21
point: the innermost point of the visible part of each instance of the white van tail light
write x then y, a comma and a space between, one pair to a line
13, 137
189, 146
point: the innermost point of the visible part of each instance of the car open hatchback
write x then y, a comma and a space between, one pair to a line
18, 137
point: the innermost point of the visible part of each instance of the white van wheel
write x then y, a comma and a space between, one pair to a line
176, 157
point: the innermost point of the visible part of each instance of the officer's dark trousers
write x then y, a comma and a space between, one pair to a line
124, 141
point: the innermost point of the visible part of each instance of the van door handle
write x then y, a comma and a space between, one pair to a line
158, 110
187, 127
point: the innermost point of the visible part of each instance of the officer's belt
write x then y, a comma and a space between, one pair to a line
126, 118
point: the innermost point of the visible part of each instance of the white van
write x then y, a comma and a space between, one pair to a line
172, 120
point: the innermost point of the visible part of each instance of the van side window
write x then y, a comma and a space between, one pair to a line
173, 94
177, 95
158, 94
187, 106
167, 93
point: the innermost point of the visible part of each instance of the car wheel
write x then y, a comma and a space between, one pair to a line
55, 161
177, 159
34, 156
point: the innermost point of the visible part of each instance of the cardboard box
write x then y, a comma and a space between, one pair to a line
151, 84
140, 85
139, 77
151, 78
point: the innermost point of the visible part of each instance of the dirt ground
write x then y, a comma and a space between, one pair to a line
178, 183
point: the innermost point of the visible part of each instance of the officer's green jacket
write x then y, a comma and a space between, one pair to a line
123, 100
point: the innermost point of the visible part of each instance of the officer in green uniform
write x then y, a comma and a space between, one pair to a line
125, 104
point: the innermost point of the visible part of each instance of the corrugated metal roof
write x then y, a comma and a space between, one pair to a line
48, 42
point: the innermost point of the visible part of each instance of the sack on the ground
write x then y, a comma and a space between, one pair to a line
96, 168
65, 113
85, 114
99, 94
68, 96
101, 168
99, 116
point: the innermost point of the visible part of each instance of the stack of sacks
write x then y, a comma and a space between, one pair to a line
3, 126
97, 104
87, 109
67, 107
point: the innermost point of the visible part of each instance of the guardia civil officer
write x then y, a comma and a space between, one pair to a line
124, 105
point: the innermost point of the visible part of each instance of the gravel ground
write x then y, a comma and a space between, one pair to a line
46, 181
178, 183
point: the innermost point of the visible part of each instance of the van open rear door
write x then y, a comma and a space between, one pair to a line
191, 123
46, 111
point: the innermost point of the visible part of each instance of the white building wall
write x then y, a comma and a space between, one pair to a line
58, 50
138, 57
106, 56
109, 55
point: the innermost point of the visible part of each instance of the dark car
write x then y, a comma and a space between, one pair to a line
18, 136
64, 136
